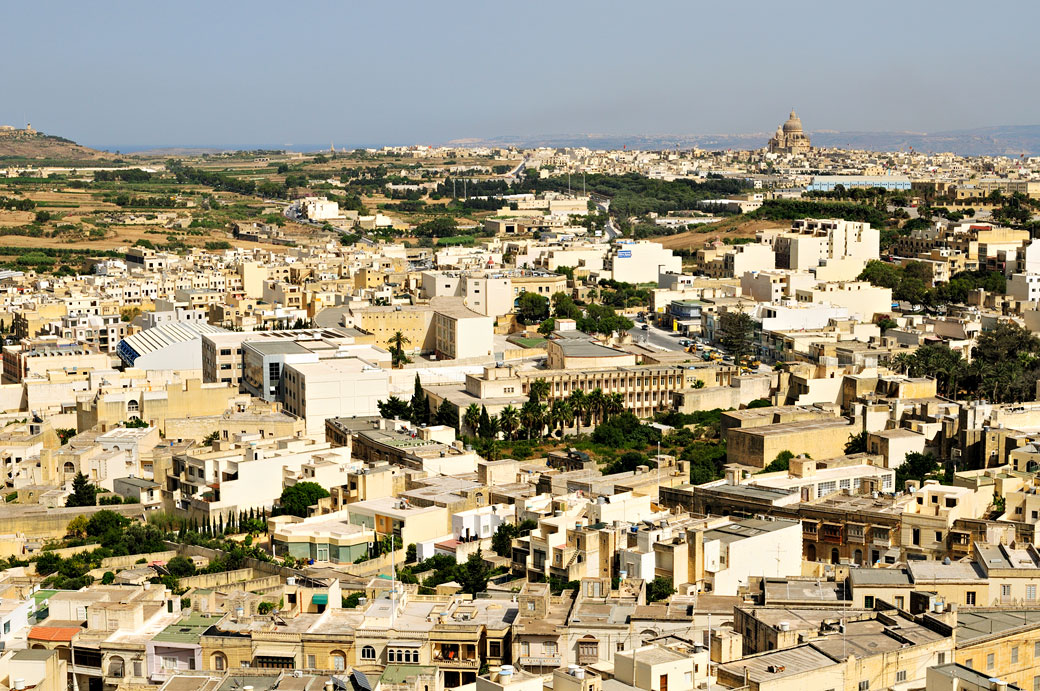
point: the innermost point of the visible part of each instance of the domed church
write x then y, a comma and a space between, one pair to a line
789, 138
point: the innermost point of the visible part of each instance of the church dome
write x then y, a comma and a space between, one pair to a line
793, 124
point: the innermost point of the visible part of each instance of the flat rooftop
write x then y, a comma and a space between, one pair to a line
977, 624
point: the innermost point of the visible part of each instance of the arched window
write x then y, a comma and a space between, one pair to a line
339, 659
391, 656
219, 661
368, 653
857, 557
1032, 466
133, 406
835, 556
69, 468
810, 553
115, 667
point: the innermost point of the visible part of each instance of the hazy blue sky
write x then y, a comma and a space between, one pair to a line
224, 73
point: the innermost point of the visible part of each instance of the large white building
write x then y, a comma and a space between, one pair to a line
320, 209
642, 261
334, 387
812, 242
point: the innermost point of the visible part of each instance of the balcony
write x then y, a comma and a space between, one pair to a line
831, 533
455, 655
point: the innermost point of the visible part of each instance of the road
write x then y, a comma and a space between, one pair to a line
610, 231
655, 337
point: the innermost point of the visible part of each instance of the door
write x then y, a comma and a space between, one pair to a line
664, 682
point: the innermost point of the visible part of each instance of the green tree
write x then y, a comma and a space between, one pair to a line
857, 443
532, 308
420, 404
781, 462
737, 333
484, 424
658, 589
538, 390
84, 493
509, 421
298, 498
394, 408
397, 342
471, 418
916, 466
474, 574
448, 414
181, 567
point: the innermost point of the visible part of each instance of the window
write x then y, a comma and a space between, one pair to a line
494, 648
868, 602
169, 663
938, 536
864, 685
312, 662
588, 648
1005, 590
941, 659
900, 675
368, 653
990, 661
915, 536
1014, 654
115, 667
1030, 592
550, 648
219, 662
969, 597
969, 663
338, 659
1036, 683
525, 648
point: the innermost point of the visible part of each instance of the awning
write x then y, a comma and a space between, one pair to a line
320, 599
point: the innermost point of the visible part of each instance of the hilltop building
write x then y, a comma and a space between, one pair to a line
789, 138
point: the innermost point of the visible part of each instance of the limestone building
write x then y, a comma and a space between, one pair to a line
789, 138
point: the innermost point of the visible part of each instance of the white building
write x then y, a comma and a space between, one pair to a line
642, 261
320, 209
735, 553
811, 242
481, 522
1024, 287
335, 387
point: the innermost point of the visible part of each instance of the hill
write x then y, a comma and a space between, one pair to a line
34, 146
983, 141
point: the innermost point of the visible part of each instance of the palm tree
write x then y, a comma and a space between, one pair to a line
397, 343
532, 418
564, 414
472, 417
579, 406
538, 390
495, 427
613, 404
595, 404
903, 362
508, 421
